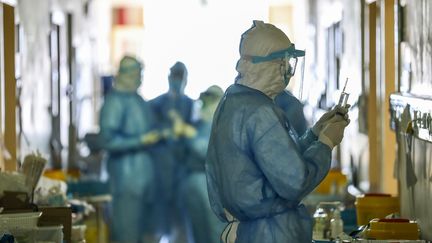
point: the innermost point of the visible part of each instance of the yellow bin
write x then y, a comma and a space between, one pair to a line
370, 206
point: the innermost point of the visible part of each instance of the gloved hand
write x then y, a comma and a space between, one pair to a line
329, 117
178, 128
189, 131
151, 137
182, 129
333, 133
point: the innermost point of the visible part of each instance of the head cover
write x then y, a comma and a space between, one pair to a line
262, 48
213, 91
177, 77
263, 39
210, 99
129, 74
129, 63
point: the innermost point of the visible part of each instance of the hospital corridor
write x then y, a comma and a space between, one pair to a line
215, 121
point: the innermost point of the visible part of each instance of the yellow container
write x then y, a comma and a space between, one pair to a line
393, 229
334, 178
55, 174
371, 206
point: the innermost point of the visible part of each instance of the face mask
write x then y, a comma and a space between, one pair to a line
288, 67
286, 79
128, 81
176, 86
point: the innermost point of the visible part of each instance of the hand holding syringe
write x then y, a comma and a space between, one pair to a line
331, 117
343, 99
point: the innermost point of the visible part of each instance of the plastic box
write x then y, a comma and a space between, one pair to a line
48, 234
78, 233
387, 229
19, 220
389, 241
372, 206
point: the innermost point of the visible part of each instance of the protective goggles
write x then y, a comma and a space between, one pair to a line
287, 58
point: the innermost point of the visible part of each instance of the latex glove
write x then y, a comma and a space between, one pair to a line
332, 134
174, 116
178, 128
182, 129
151, 137
330, 117
189, 131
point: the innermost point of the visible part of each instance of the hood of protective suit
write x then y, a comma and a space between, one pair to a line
177, 78
261, 40
210, 100
129, 75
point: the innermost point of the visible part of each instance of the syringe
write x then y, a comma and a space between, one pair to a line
343, 99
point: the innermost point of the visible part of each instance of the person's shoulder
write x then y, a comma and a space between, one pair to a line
249, 97
112, 101
186, 98
286, 100
158, 99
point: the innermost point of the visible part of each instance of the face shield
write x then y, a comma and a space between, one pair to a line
287, 59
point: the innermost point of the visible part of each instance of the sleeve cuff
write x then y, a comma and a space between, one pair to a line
325, 140
310, 136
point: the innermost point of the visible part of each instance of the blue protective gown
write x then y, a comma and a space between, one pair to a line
206, 227
293, 110
170, 160
124, 118
259, 170
183, 105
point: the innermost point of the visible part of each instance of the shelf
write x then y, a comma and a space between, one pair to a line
420, 110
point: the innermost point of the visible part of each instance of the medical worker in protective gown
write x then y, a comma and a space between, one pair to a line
258, 169
173, 112
126, 129
205, 226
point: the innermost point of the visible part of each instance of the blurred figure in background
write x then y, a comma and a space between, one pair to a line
127, 131
206, 227
173, 112
293, 110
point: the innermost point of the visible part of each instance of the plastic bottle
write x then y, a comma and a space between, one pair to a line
320, 218
336, 224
